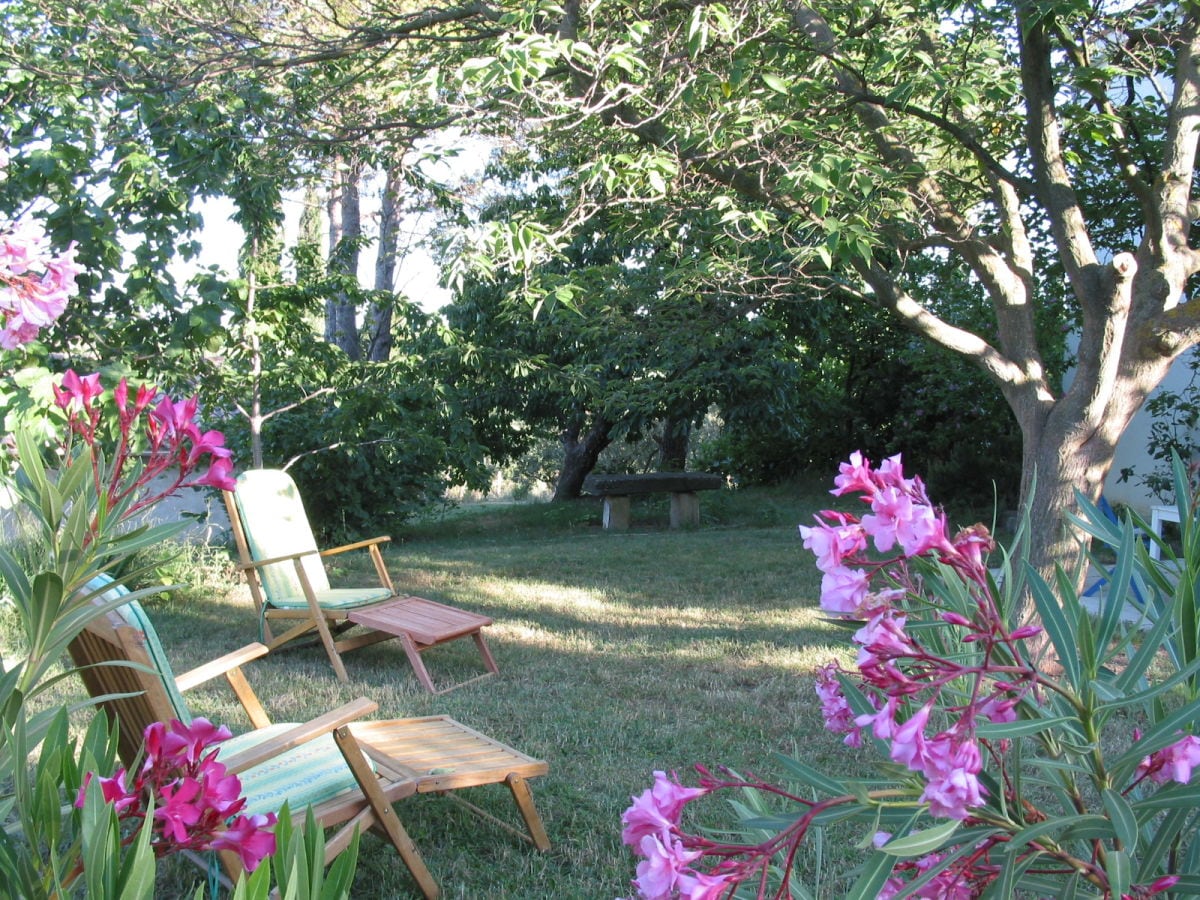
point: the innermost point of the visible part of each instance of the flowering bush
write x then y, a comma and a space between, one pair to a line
1000, 776
170, 443
79, 497
196, 805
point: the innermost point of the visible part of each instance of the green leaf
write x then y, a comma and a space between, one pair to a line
809, 776
1119, 871
1094, 825
920, 843
1124, 821
776, 83
1059, 628
1168, 827
997, 731
876, 870
1174, 796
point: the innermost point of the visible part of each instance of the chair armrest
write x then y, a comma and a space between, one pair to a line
357, 545
291, 557
220, 666
301, 734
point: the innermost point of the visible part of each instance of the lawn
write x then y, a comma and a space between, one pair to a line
619, 654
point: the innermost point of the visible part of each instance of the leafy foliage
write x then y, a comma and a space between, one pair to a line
1004, 776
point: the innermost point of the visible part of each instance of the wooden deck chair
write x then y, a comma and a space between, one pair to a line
349, 779
284, 569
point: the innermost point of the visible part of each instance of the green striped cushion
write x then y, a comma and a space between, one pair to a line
309, 774
336, 598
135, 617
275, 523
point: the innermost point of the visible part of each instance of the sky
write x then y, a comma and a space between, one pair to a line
416, 274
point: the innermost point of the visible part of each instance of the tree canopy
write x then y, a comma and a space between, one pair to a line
1044, 150
989, 174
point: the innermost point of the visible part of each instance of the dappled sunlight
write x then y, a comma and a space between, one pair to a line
600, 607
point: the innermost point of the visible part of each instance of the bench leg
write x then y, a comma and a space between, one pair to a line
616, 514
685, 510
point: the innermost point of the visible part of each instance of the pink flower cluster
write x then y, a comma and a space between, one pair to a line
34, 284
901, 515
1172, 763
156, 436
896, 671
197, 805
949, 884
932, 666
652, 829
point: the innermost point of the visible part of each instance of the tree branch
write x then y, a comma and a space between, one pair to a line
1055, 192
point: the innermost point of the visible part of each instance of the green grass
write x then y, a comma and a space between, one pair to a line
619, 654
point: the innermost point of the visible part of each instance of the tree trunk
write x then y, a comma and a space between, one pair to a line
380, 315
345, 229
1076, 458
579, 456
673, 444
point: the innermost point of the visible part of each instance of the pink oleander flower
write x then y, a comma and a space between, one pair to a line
664, 873
949, 884
170, 418
248, 838
875, 602
1172, 763
908, 737
838, 717
175, 810
999, 709
158, 437
34, 285
198, 737
974, 543
657, 809
890, 508
661, 867
897, 519
222, 793
854, 475
951, 767
843, 590
114, 790
882, 639
196, 802
77, 393
831, 543
702, 886
891, 473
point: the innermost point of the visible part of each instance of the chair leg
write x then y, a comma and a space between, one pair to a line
489, 661
335, 658
533, 821
386, 819
418, 664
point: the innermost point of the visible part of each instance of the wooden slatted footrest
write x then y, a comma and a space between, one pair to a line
441, 755
425, 621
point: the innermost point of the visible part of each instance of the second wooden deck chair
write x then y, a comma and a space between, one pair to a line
349, 772
286, 574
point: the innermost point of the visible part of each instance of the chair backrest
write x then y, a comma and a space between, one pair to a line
274, 524
125, 635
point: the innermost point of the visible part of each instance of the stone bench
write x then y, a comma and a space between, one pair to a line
682, 486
